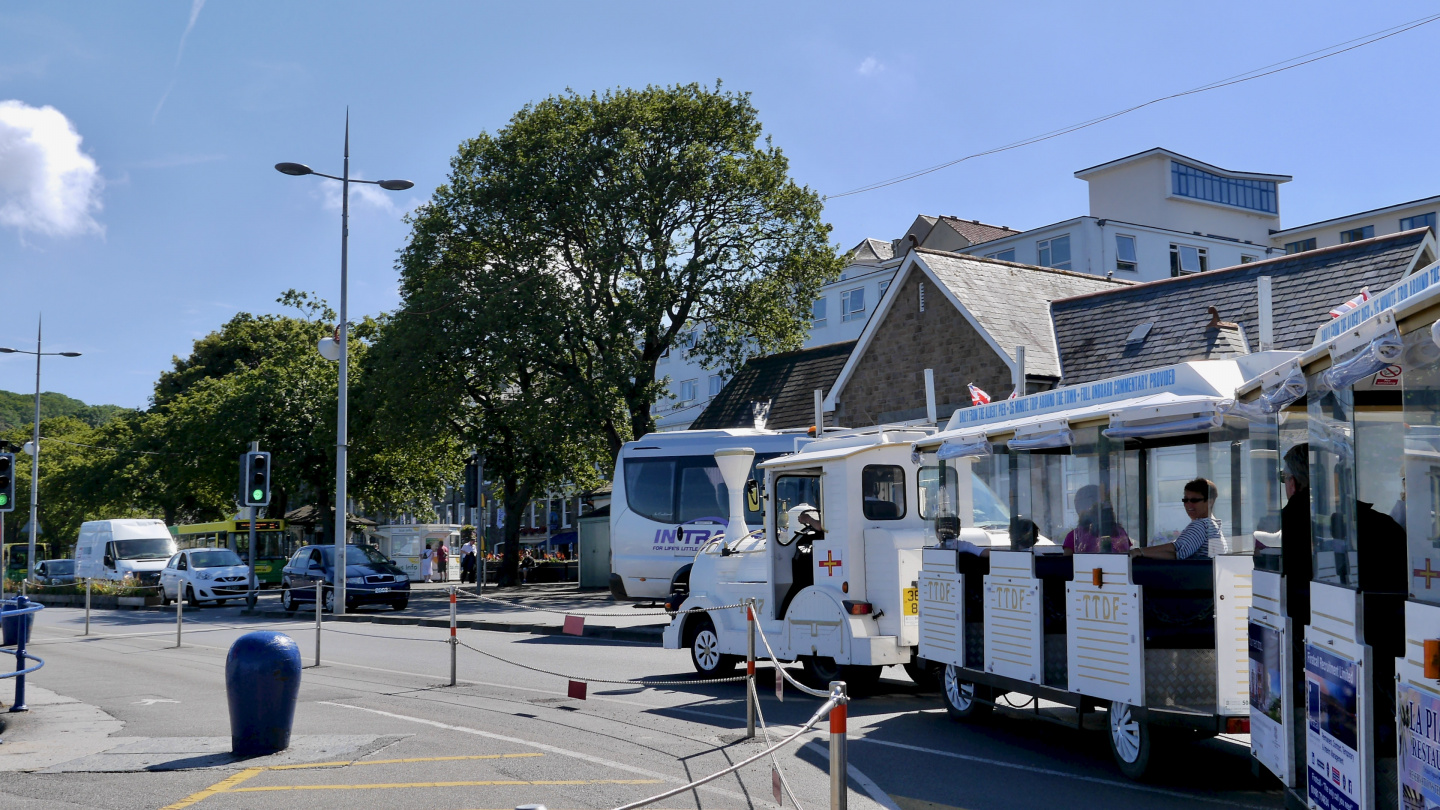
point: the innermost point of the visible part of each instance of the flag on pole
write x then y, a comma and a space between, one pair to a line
1014, 394
1352, 303
978, 397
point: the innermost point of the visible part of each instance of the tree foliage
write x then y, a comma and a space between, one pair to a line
624, 219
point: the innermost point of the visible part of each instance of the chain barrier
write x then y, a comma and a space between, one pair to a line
775, 763
629, 682
521, 606
820, 693
831, 703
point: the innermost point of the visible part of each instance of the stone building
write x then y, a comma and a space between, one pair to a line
963, 317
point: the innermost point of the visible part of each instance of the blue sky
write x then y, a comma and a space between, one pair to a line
169, 218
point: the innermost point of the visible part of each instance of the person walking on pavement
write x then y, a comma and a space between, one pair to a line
425, 558
467, 561
442, 561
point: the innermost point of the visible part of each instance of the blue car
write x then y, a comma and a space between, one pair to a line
370, 578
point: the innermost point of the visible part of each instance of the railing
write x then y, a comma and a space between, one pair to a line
20, 614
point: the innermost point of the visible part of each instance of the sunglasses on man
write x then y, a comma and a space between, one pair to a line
1194, 500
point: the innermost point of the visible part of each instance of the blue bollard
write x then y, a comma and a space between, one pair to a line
11, 627
262, 682
20, 625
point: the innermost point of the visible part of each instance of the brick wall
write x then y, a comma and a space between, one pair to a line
890, 376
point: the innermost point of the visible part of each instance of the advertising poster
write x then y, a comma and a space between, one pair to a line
1267, 698
1419, 748
1332, 730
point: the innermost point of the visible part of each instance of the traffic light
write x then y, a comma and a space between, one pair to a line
255, 478
7, 482
472, 483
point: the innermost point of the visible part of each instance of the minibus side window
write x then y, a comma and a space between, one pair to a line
702, 491
650, 487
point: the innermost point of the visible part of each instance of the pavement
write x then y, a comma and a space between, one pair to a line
377, 722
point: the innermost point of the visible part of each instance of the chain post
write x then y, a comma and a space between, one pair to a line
319, 604
454, 642
87, 606
839, 764
179, 611
750, 694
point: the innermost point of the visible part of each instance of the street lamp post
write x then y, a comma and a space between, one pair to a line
342, 429
35, 445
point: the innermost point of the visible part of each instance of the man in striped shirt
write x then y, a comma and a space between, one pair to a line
1194, 542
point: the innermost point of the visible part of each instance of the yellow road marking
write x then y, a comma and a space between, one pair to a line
223, 786
401, 761
479, 783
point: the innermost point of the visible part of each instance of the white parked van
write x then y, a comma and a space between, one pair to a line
669, 500
114, 549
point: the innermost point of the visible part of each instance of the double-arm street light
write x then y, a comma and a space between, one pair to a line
342, 528
34, 448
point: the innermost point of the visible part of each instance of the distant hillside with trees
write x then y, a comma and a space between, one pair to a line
19, 409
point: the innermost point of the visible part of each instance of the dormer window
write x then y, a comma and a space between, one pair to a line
1253, 195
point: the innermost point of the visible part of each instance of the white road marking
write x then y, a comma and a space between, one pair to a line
873, 790
543, 747
1000, 763
153, 701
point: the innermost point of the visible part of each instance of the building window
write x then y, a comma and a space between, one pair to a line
688, 390
1356, 234
852, 304
1256, 195
716, 383
1301, 246
884, 285
1054, 252
817, 313
1244, 259
1125, 253
1422, 221
1186, 259
1006, 255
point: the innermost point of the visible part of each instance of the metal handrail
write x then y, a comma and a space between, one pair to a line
4, 675
24, 609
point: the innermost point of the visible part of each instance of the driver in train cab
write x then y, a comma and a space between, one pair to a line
1194, 542
1096, 516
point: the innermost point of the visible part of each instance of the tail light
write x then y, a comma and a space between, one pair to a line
857, 608
1237, 725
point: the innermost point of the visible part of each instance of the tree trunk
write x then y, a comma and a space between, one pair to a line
516, 495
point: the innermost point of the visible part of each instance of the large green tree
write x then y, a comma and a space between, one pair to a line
624, 220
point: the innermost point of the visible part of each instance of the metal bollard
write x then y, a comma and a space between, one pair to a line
839, 793
23, 630
750, 697
87, 606
179, 612
319, 602
454, 642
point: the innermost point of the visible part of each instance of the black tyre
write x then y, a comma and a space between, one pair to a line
401, 604
287, 598
1131, 741
928, 675
705, 649
328, 601
221, 602
190, 597
965, 700
820, 670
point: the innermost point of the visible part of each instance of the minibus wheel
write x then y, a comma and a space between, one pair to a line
965, 700
705, 648
1130, 740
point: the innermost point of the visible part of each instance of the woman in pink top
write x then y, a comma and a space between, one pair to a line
1095, 515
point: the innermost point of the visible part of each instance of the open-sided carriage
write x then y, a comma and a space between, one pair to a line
1345, 628
1051, 604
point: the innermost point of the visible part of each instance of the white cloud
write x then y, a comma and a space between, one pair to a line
47, 185
870, 66
195, 7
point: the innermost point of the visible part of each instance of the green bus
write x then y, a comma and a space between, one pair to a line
273, 544
16, 556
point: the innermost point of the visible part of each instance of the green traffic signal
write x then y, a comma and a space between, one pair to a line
258, 495
4, 499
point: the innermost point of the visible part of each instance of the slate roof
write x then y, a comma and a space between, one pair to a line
788, 379
1012, 301
1091, 330
977, 231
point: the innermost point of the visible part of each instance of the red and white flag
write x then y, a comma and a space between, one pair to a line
1352, 303
1014, 394
978, 397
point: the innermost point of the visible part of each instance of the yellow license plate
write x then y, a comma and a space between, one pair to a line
912, 601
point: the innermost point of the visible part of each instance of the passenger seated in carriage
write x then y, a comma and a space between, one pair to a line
1096, 531
1194, 542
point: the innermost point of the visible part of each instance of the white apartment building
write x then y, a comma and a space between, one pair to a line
1354, 227
1154, 215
